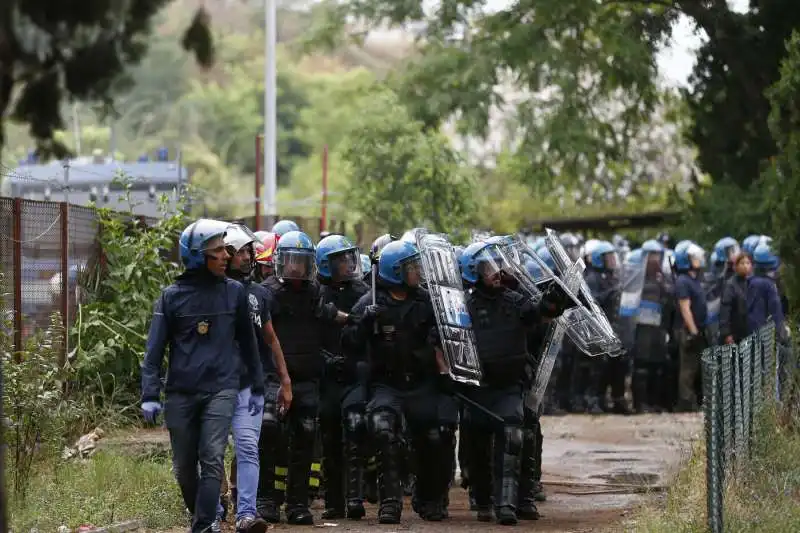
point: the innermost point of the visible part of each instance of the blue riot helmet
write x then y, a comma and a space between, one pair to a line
544, 255
400, 264
283, 227
652, 246
688, 257
366, 264
604, 257
482, 260
295, 257
764, 258
571, 245
682, 244
637, 256
587, 249
195, 240
337, 259
725, 250
534, 270
749, 244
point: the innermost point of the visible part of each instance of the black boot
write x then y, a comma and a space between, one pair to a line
506, 474
389, 487
526, 500
354, 480
268, 510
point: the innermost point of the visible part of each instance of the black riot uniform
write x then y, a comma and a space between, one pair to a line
298, 318
398, 336
605, 288
530, 475
342, 411
650, 357
502, 319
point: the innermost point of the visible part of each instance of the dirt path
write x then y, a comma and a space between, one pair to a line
578, 451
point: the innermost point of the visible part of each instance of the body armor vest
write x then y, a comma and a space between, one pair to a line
401, 354
295, 317
500, 335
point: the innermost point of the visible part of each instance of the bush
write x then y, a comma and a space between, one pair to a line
111, 330
39, 415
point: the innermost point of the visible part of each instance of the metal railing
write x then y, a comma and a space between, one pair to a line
739, 380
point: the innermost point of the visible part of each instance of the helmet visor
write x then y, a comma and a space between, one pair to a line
611, 261
295, 264
345, 265
411, 271
490, 265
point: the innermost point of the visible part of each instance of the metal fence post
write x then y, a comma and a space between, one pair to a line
17, 238
711, 406
65, 285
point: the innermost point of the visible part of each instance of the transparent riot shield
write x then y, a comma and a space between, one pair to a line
609, 337
584, 326
633, 277
444, 284
551, 347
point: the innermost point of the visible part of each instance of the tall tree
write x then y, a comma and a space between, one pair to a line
573, 57
52, 52
400, 175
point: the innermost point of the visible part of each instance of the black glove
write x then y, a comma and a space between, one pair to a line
371, 313
329, 310
555, 301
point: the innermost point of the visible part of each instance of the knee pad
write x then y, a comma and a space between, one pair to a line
354, 421
513, 437
308, 425
383, 425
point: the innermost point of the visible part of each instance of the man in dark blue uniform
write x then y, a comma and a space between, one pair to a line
204, 318
298, 317
405, 369
342, 410
689, 262
502, 321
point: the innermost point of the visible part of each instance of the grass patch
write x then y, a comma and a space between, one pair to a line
105, 489
764, 496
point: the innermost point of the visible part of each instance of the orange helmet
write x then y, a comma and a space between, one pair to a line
266, 247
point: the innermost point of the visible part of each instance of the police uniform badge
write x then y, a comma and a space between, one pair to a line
202, 327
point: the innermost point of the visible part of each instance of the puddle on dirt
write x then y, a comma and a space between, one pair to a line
619, 460
629, 478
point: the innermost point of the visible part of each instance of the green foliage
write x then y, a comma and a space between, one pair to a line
402, 176
109, 488
36, 32
727, 98
780, 182
576, 79
110, 330
39, 415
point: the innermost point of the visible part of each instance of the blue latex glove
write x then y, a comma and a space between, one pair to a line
150, 411
256, 405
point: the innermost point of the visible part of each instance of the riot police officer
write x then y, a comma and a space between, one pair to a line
400, 331
645, 298
342, 410
298, 317
204, 318
603, 280
502, 319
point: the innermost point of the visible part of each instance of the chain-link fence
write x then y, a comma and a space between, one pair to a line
44, 247
738, 381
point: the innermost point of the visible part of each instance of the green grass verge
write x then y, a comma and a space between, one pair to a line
764, 496
108, 488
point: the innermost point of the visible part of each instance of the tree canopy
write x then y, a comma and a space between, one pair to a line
57, 52
588, 63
